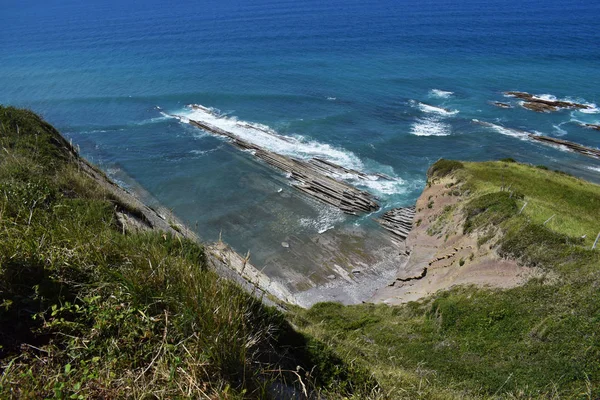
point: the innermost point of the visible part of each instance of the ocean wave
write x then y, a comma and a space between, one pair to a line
592, 110
440, 94
295, 146
326, 220
523, 135
266, 138
597, 169
427, 108
430, 127
383, 186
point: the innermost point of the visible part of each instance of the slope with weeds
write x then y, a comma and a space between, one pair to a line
90, 310
538, 340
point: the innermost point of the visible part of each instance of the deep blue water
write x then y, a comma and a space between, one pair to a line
343, 73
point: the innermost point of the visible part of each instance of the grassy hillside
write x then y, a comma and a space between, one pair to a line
88, 310
540, 340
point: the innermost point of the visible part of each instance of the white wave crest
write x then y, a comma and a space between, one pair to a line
296, 146
592, 110
383, 186
328, 217
430, 127
427, 108
265, 137
504, 130
597, 169
440, 94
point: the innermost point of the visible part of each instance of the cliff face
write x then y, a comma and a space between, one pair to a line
443, 255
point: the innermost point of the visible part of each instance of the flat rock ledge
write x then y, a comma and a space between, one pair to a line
534, 103
587, 151
315, 177
398, 221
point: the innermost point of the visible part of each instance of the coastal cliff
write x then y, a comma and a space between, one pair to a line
101, 296
499, 294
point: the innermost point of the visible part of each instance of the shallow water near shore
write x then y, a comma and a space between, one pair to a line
386, 87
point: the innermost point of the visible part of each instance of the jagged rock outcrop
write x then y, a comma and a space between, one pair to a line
531, 102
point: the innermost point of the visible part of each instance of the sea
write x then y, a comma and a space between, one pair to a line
384, 86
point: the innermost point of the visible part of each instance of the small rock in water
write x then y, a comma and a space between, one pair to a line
356, 271
285, 244
502, 105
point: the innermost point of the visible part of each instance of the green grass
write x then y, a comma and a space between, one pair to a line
87, 311
540, 340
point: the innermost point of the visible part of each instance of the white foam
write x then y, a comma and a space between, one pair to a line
547, 97
430, 127
504, 130
383, 186
427, 108
265, 137
332, 98
592, 110
328, 217
597, 169
441, 94
295, 146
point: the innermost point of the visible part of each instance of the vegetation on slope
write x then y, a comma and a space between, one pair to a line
540, 340
88, 310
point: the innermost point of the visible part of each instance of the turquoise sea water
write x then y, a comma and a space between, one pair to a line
353, 80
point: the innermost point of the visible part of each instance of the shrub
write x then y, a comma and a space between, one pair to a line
443, 167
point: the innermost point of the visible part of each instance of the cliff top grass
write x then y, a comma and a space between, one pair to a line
539, 340
89, 310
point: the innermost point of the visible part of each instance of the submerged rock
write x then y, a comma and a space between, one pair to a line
590, 126
501, 105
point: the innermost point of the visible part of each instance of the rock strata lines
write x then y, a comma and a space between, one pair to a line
318, 178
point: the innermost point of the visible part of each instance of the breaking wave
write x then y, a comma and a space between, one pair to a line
430, 127
295, 146
440, 94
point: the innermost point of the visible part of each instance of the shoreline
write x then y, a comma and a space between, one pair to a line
353, 262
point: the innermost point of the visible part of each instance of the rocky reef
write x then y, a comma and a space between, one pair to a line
535, 103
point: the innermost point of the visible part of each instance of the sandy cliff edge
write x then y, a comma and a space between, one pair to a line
442, 256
